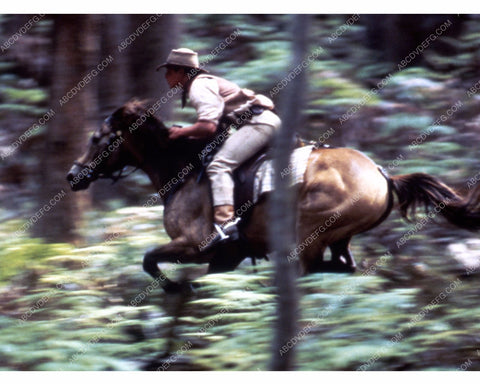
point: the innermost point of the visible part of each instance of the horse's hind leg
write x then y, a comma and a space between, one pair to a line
311, 259
227, 257
340, 250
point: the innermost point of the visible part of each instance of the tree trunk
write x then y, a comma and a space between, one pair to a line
113, 92
148, 51
114, 84
282, 228
76, 53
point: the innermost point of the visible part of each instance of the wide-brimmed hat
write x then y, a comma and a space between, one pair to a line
182, 57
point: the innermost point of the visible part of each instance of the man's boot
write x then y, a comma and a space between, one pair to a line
225, 225
225, 222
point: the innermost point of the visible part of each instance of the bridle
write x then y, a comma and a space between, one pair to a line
112, 138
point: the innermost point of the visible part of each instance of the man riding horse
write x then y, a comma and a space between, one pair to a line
218, 101
334, 177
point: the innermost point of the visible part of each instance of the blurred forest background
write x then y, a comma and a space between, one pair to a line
377, 83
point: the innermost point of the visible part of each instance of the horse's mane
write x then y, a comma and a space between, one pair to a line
138, 108
182, 147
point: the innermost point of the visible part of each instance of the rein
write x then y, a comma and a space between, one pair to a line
115, 135
114, 177
119, 175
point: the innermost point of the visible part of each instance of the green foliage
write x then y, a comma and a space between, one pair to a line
76, 306
17, 254
340, 91
22, 109
463, 60
28, 96
406, 121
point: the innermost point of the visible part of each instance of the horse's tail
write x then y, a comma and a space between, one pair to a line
417, 189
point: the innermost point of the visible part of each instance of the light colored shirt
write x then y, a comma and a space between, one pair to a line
213, 96
205, 97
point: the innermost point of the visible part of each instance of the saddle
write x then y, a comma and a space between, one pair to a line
244, 176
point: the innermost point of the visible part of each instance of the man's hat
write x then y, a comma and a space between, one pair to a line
182, 57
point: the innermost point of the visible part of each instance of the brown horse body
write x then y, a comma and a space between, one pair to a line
344, 193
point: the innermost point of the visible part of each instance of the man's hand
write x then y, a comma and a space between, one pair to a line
175, 132
199, 130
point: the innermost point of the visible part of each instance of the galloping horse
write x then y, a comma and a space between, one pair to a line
344, 193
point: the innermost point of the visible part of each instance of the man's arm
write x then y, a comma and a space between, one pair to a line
200, 130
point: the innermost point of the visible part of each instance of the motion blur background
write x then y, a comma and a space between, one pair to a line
400, 88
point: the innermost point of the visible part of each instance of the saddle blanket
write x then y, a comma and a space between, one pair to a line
264, 178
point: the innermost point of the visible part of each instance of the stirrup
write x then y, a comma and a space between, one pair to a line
227, 232
223, 235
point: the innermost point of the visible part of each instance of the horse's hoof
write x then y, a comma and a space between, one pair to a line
195, 286
176, 288
343, 268
336, 267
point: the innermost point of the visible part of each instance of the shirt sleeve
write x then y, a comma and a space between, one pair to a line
205, 97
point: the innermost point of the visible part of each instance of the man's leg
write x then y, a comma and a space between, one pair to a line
239, 147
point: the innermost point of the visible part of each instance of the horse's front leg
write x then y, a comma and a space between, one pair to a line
179, 250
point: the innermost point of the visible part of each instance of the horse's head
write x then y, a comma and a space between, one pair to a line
117, 143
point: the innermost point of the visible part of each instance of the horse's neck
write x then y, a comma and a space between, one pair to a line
167, 167
188, 213
173, 169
